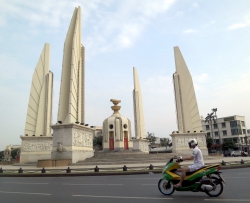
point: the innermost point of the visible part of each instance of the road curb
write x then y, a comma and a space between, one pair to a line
102, 173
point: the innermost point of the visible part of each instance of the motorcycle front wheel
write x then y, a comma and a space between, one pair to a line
217, 190
166, 187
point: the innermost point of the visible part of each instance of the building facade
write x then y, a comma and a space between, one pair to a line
233, 127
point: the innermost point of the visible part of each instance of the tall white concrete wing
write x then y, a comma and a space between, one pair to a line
188, 117
140, 131
71, 101
39, 113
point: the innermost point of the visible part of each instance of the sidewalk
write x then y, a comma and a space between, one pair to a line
207, 161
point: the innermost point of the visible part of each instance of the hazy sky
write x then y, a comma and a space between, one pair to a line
213, 37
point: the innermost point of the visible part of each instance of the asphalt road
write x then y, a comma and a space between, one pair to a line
112, 189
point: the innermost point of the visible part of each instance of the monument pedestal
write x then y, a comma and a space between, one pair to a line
118, 146
141, 145
35, 148
72, 141
180, 142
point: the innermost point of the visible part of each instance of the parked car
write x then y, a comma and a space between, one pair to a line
238, 153
227, 153
244, 153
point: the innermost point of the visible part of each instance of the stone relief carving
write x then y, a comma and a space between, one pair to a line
82, 139
34, 146
183, 141
143, 146
60, 147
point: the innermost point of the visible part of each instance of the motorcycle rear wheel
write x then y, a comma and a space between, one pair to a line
219, 188
166, 187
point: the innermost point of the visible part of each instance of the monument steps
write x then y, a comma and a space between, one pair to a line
126, 157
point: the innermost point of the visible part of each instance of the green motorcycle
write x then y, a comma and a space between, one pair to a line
206, 179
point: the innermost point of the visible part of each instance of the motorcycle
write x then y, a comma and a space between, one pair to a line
206, 179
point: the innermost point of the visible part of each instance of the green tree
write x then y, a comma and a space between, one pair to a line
165, 142
14, 152
228, 144
210, 142
97, 141
1, 154
151, 137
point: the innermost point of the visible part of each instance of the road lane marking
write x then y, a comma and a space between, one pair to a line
149, 184
119, 197
141, 178
91, 184
28, 183
228, 200
24, 193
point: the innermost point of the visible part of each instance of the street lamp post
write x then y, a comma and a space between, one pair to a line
212, 117
215, 121
246, 143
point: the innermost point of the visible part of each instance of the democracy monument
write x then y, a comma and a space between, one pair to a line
187, 112
72, 139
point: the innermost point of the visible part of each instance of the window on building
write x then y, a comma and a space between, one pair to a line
236, 131
233, 123
208, 134
207, 127
242, 123
223, 125
215, 126
216, 133
244, 131
224, 132
235, 140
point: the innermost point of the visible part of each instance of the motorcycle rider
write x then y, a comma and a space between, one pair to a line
196, 156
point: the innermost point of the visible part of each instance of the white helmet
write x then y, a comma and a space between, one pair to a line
192, 142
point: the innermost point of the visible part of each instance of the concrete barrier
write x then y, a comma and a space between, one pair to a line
53, 163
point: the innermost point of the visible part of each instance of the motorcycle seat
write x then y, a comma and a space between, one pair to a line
190, 173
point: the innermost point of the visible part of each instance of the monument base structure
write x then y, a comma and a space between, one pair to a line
180, 142
35, 148
117, 146
72, 142
141, 145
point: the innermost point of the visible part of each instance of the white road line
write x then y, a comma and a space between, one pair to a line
228, 200
27, 183
119, 197
91, 184
149, 184
142, 178
24, 193
235, 177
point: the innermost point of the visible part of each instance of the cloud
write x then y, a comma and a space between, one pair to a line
158, 85
189, 31
201, 78
209, 24
179, 13
122, 27
239, 25
112, 25
2, 21
200, 81
195, 5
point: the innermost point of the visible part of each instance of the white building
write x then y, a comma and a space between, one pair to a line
227, 127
